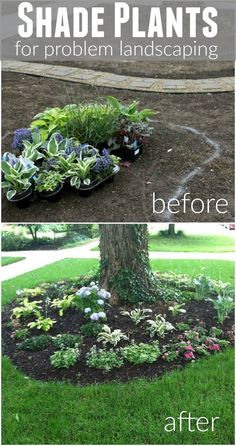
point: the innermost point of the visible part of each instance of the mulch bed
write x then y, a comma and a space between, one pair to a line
37, 364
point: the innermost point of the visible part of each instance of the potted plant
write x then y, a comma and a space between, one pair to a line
18, 176
49, 185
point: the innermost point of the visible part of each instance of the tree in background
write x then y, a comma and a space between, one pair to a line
124, 266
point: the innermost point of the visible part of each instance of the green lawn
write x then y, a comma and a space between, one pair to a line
131, 413
9, 260
192, 243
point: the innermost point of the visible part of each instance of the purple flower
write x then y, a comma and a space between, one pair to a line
59, 137
100, 302
21, 135
102, 164
94, 317
101, 315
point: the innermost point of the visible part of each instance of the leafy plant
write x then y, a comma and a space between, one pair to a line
18, 179
42, 323
35, 343
103, 359
131, 111
67, 340
90, 329
141, 353
223, 306
215, 332
63, 304
31, 148
48, 181
107, 336
64, 359
159, 326
27, 309
203, 285
182, 326
137, 315
80, 173
21, 334
177, 309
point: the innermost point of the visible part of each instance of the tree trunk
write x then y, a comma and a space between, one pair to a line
171, 230
124, 249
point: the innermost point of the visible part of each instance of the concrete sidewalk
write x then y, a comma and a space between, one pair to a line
37, 259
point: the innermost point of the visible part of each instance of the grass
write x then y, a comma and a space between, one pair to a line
190, 243
130, 413
9, 260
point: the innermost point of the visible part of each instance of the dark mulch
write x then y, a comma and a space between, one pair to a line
37, 364
171, 153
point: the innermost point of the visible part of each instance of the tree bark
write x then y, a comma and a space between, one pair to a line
171, 230
124, 247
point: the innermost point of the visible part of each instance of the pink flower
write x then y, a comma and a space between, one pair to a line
189, 347
216, 347
189, 355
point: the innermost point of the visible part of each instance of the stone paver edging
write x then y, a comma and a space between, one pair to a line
104, 79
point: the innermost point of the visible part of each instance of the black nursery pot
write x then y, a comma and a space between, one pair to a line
128, 154
52, 196
23, 199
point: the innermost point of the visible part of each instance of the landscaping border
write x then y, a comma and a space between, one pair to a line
105, 79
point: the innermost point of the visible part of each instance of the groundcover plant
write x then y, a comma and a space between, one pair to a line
78, 145
71, 330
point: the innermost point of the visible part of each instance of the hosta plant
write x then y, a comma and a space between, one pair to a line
27, 308
141, 353
177, 309
18, 179
103, 359
107, 336
159, 326
223, 306
137, 315
63, 304
42, 323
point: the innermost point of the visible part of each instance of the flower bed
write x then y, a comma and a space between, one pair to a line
71, 331
78, 144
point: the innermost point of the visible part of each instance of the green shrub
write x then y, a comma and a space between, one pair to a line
21, 334
35, 343
64, 359
67, 340
103, 359
141, 353
91, 329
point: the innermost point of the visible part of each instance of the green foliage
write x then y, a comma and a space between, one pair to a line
42, 323
80, 173
21, 334
215, 332
137, 315
107, 336
17, 179
203, 286
35, 343
182, 326
128, 291
63, 304
48, 181
177, 309
64, 359
141, 353
130, 112
159, 326
223, 306
103, 359
167, 234
27, 309
90, 329
67, 340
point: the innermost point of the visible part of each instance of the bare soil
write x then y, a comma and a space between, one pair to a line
171, 154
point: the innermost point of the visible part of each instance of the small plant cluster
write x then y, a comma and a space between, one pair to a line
194, 342
91, 300
72, 145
